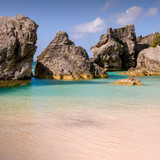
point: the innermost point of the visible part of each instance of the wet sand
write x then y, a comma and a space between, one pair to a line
81, 134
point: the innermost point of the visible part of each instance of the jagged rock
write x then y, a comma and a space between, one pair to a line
116, 49
17, 47
148, 63
128, 81
63, 60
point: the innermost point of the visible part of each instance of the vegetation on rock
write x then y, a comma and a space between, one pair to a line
156, 41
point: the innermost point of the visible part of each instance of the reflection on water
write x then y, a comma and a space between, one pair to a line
80, 120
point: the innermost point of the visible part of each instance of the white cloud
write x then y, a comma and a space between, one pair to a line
129, 16
94, 26
152, 11
134, 13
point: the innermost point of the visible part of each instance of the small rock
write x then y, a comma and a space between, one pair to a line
128, 81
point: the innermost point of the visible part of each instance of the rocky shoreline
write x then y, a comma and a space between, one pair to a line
118, 49
8, 83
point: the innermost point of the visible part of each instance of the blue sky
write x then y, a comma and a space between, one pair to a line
85, 20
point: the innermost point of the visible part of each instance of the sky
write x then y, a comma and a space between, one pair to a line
84, 20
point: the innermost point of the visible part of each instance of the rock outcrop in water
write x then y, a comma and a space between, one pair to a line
148, 63
17, 47
116, 49
63, 60
128, 81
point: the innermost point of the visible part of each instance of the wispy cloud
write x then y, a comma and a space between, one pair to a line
95, 26
109, 3
152, 11
129, 16
134, 13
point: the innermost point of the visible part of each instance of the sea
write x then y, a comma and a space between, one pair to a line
81, 120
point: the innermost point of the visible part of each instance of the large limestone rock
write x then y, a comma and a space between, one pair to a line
148, 63
17, 47
149, 59
116, 49
63, 60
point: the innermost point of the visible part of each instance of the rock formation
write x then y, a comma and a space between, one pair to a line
148, 63
128, 81
116, 49
17, 47
63, 60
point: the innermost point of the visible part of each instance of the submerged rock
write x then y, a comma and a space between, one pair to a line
17, 47
63, 60
148, 63
116, 49
128, 81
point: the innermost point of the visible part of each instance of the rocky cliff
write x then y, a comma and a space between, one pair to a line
17, 47
63, 60
118, 49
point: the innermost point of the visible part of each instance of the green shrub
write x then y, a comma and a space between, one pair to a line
156, 41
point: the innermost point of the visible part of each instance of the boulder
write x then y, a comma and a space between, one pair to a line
128, 81
63, 60
116, 49
148, 63
17, 47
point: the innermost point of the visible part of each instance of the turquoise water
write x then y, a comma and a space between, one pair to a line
33, 67
86, 119
53, 94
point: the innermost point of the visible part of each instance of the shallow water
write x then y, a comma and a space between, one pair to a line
81, 120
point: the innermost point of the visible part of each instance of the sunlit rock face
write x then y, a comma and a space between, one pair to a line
119, 48
63, 60
116, 49
17, 47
